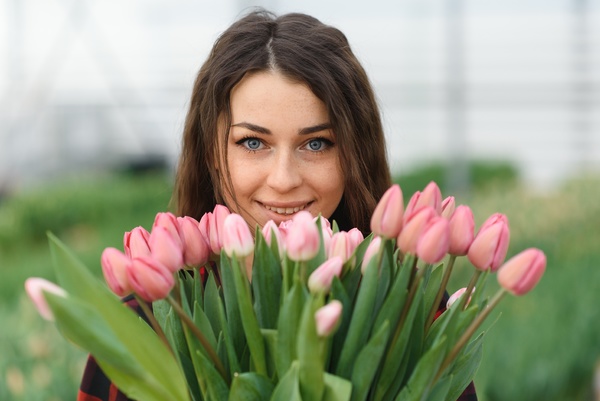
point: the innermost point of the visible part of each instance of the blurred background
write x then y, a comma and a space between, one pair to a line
496, 100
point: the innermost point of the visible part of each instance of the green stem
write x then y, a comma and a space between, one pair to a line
153, 322
200, 336
469, 332
440, 293
464, 302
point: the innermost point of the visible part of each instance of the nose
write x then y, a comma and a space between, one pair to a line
285, 172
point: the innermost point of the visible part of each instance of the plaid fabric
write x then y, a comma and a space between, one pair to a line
95, 386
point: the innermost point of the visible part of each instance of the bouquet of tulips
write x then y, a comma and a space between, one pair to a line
299, 311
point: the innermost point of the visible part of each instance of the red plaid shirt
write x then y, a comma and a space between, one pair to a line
95, 386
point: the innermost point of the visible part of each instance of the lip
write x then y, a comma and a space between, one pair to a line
284, 209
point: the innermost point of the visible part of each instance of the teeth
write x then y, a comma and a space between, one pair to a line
285, 210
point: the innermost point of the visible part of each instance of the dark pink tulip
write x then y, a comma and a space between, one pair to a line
114, 267
237, 238
462, 230
302, 241
407, 240
434, 241
35, 288
488, 249
328, 318
135, 242
166, 249
169, 222
431, 196
523, 271
196, 250
371, 251
149, 278
320, 279
386, 220
448, 207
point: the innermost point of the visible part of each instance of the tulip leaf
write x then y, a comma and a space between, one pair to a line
288, 388
250, 386
432, 286
336, 388
232, 308
287, 328
270, 337
339, 292
440, 390
212, 300
465, 367
232, 358
309, 354
266, 284
202, 322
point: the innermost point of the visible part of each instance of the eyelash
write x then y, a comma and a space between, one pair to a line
326, 142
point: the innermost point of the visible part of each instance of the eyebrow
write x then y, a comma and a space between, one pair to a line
266, 131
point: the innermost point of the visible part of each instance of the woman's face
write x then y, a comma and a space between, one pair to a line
281, 151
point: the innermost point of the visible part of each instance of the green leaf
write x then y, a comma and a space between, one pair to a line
287, 328
432, 286
266, 283
309, 354
288, 388
336, 388
465, 367
232, 357
250, 386
270, 338
201, 321
212, 302
232, 309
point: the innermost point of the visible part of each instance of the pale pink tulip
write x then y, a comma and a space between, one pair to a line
150, 279
523, 271
196, 250
236, 236
409, 236
448, 207
270, 231
431, 196
462, 230
328, 318
35, 288
166, 249
320, 279
302, 240
135, 242
386, 220
370, 252
216, 221
434, 241
169, 222
454, 297
488, 249
114, 267
341, 245
284, 228
356, 237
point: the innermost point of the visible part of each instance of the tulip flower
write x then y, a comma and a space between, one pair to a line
114, 267
216, 219
236, 236
489, 247
35, 288
302, 240
434, 241
149, 278
341, 245
372, 250
196, 250
407, 240
356, 237
431, 196
320, 279
284, 228
169, 222
448, 207
454, 297
328, 318
386, 220
523, 271
135, 242
166, 249
326, 230
462, 230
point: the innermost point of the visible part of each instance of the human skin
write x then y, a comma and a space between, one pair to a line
281, 151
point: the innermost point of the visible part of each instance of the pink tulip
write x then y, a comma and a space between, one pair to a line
448, 207
150, 279
237, 238
356, 237
169, 222
489, 247
386, 220
321, 278
341, 245
326, 230
454, 297
302, 240
434, 241
114, 267
35, 288
462, 230
196, 250
166, 249
215, 221
284, 228
328, 318
135, 242
371, 251
523, 271
409, 236
431, 196
270, 231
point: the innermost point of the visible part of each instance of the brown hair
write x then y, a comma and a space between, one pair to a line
305, 50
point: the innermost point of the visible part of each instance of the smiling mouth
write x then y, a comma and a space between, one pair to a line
285, 211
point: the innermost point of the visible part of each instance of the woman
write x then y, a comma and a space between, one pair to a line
282, 118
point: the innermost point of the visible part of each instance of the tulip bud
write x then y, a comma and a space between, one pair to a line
270, 231
434, 241
454, 297
341, 245
284, 228
320, 279
356, 237
489, 247
328, 318
114, 267
302, 240
135, 242
236, 236
195, 250
462, 230
448, 207
407, 240
166, 249
216, 221
387, 216
372, 250
169, 222
523, 271
35, 288
149, 278
431, 196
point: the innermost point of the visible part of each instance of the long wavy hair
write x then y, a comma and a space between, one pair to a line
304, 50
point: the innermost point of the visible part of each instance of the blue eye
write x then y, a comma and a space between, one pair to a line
318, 144
250, 143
